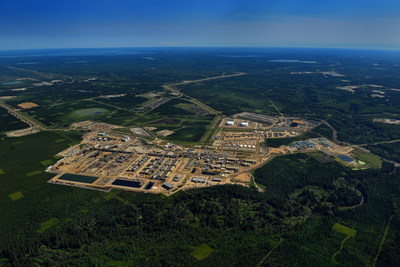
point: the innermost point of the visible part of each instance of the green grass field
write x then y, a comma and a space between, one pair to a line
48, 224
344, 230
370, 159
349, 232
189, 134
46, 162
201, 252
15, 196
89, 111
33, 173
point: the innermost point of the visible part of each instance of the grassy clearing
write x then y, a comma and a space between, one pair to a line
370, 159
89, 111
349, 232
32, 173
110, 195
190, 134
15, 196
382, 241
201, 252
2, 171
269, 253
48, 224
344, 229
46, 162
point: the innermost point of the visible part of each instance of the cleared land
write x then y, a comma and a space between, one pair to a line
28, 105
201, 252
16, 196
370, 159
349, 232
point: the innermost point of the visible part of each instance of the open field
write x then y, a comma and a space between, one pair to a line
89, 111
27, 105
370, 159
48, 224
343, 230
16, 196
201, 252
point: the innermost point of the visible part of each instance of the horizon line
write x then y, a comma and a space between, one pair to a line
383, 48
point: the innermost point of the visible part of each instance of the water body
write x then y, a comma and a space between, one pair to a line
11, 83
291, 61
149, 186
127, 183
345, 158
78, 178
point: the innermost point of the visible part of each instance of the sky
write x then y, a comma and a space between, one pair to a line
35, 24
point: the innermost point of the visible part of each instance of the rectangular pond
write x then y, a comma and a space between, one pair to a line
149, 186
345, 158
127, 183
78, 178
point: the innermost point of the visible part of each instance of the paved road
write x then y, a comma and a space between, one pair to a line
334, 134
22, 117
211, 78
173, 89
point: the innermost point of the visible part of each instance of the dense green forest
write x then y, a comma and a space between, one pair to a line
390, 151
8, 122
304, 196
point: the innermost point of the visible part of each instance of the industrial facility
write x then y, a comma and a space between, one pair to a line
106, 160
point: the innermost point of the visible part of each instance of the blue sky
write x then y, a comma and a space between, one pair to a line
26, 24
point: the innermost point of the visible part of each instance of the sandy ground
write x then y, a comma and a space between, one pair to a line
139, 131
150, 128
243, 177
27, 105
22, 132
165, 132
